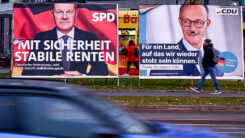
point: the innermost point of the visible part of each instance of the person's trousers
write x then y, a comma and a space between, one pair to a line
209, 70
136, 64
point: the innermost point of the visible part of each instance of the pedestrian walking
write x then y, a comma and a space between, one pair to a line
132, 56
208, 62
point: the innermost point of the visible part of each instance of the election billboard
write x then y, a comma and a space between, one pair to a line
67, 40
171, 41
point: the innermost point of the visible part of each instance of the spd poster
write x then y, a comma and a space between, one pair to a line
65, 40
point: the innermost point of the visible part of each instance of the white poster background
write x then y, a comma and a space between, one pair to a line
225, 31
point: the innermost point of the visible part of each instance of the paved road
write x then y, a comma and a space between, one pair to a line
194, 117
225, 120
232, 130
228, 124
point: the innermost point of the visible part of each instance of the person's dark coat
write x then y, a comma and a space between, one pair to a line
131, 53
208, 57
97, 67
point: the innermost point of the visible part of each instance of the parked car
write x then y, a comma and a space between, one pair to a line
35, 108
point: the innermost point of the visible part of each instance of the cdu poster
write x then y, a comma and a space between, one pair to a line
65, 40
171, 40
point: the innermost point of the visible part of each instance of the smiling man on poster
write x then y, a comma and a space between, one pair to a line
65, 34
194, 21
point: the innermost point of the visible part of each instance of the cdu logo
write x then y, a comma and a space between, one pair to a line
227, 11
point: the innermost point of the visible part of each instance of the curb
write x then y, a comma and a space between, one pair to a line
184, 108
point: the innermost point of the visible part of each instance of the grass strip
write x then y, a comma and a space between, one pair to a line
146, 84
157, 100
150, 84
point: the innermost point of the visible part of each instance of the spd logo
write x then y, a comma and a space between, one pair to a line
227, 11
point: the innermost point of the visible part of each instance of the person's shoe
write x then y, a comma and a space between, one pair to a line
195, 89
217, 92
126, 74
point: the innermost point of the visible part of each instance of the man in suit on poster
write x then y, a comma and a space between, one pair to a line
194, 21
64, 15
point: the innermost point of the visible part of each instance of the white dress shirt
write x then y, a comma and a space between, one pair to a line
189, 47
71, 37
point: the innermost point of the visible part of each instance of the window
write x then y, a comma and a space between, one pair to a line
5, 1
47, 116
8, 113
57, 117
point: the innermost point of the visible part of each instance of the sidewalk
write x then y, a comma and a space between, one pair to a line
176, 93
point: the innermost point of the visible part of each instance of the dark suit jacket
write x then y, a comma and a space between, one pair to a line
97, 68
188, 69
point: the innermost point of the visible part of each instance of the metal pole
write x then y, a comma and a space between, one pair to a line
191, 83
65, 80
139, 82
118, 82
177, 2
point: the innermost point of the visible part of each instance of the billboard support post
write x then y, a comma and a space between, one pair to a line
118, 81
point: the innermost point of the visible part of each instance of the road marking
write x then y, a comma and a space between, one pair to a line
212, 125
226, 128
231, 132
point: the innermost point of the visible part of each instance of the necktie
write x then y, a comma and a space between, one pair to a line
66, 64
200, 62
